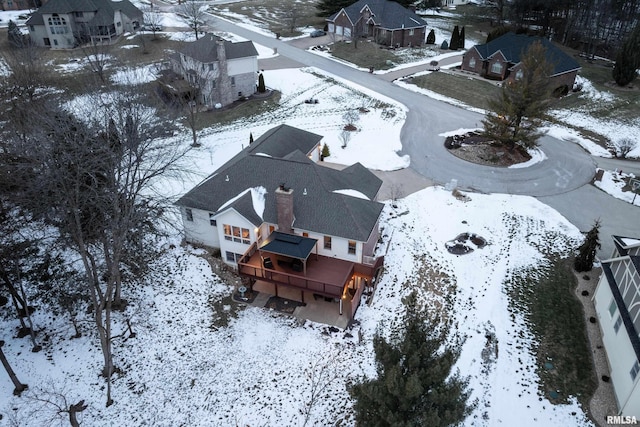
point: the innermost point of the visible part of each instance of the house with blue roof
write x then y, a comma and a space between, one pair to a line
387, 22
279, 217
617, 304
500, 60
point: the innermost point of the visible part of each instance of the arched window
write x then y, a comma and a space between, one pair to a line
496, 68
57, 24
472, 62
519, 75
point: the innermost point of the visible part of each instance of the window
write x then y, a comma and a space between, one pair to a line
55, 42
496, 68
77, 14
327, 242
258, 234
236, 234
616, 326
271, 229
612, 308
233, 257
189, 213
352, 247
32, 28
305, 234
233, 81
211, 67
212, 221
519, 75
57, 25
411, 31
635, 370
118, 24
472, 62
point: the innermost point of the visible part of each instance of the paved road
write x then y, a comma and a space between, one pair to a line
560, 180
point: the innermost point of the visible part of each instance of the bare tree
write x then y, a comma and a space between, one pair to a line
18, 386
291, 17
99, 55
152, 19
351, 117
193, 13
52, 398
623, 147
320, 374
345, 137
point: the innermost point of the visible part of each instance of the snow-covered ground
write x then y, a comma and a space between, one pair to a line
186, 367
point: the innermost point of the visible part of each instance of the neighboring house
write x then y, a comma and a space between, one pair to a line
281, 218
21, 4
64, 24
387, 22
500, 60
450, 3
219, 70
617, 303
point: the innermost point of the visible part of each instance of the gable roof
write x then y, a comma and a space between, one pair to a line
205, 49
283, 140
623, 276
625, 245
316, 206
512, 46
386, 14
104, 10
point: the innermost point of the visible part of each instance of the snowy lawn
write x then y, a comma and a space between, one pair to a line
200, 359
616, 183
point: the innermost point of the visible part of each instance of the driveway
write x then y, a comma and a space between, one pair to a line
562, 180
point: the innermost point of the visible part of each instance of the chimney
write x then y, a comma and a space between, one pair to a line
284, 207
221, 52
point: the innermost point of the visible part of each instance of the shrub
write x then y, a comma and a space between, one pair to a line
444, 45
325, 152
261, 87
431, 38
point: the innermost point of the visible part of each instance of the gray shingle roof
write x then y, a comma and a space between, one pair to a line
387, 14
104, 10
284, 139
205, 50
512, 46
320, 210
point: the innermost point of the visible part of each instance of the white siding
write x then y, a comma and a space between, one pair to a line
200, 230
620, 353
234, 219
242, 65
339, 247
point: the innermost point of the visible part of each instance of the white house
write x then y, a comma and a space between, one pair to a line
617, 303
64, 24
219, 70
278, 216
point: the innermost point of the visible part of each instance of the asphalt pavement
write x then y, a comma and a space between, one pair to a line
562, 180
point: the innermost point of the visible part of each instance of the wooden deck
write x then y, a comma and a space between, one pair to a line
324, 276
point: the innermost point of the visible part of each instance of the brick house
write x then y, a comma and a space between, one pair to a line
387, 22
220, 70
500, 60
280, 218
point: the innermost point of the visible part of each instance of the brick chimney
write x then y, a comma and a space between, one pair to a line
284, 207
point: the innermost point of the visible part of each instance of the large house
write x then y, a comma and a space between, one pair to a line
219, 70
500, 60
64, 24
617, 303
387, 22
279, 217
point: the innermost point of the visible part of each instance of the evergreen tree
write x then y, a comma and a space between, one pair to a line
14, 34
325, 152
261, 87
454, 44
414, 386
461, 40
515, 115
251, 135
444, 45
500, 31
587, 251
329, 7
431, 38
628, 59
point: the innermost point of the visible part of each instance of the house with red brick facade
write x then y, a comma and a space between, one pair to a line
500, 60
387, 22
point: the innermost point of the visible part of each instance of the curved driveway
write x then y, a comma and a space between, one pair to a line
558, 181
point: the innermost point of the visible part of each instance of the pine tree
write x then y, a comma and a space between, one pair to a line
325, 152
14, 34
431, 38
461, 40
587, 251
251, 137
455, 39
515, 116
414, 386
329, 7
261, 87
628, 59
